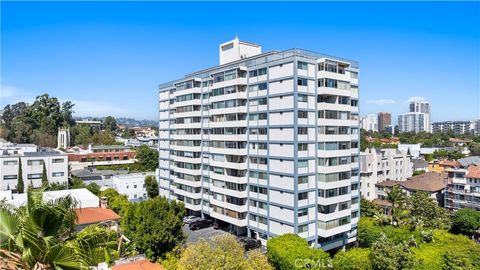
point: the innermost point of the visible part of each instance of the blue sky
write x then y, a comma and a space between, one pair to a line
109, 57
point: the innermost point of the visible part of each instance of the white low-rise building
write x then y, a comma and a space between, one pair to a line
132, 185
378, 165
82, 196
31, 159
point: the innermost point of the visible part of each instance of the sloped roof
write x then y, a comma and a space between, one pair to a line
465, 162
429, 182
94, 215
473, 172
138, 265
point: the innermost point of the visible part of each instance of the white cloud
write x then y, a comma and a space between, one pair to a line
381, 101
415, 99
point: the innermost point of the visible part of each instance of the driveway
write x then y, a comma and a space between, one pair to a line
206, 233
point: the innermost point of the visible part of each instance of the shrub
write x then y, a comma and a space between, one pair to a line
353, 259
466, 221
290, 251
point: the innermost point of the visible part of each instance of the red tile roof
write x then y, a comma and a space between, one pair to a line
473, 172
94, 215
138, 265
449, 163
429, 181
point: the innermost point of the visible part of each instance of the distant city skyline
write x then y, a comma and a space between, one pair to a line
109, 57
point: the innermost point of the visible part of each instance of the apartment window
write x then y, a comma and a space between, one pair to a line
302, 212
56, 174
10, 162
302, 131
302, 98
258, 72
303, 228
302, 114
34, 176
302, 196
302, 65
10, 177
303, 164
302, 82
35, 162
302, 147
58, 160
302, 179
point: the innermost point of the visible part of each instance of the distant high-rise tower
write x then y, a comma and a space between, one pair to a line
63, 140
384, 120
418, 119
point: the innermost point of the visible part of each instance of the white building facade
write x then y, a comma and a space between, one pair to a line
267, 143
132, 185
31, 159
457, 127
378, 165
413, 122
370, 122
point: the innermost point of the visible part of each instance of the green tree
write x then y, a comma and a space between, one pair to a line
40, 235
147, 157
368, 208
474, 148
466, 221
151, 186
116, 202
398, 199
155, 226
20, 183
44, 176
82, 134
418, 172
223, 252
290, 251
76, 182
57, 186
353, 259
110, 124
427, 211
94, 188
128, 133
386, 255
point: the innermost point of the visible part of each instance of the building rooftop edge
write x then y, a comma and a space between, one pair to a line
286, 53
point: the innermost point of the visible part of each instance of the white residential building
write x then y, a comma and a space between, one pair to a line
457, 127
82, 196
31, 158
413, 122
378, 165
267, 142
132, 185
369, 122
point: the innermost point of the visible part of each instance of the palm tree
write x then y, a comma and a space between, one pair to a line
398, 200
41, 235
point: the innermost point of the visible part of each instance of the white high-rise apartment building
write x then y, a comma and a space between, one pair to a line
413, 122
418, 119
369, 122
378, 165
267, 142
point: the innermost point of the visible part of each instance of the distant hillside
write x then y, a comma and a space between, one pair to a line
125, 121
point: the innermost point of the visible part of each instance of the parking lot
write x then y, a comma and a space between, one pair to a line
206, 233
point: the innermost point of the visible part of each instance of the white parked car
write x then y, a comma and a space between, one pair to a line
190, 219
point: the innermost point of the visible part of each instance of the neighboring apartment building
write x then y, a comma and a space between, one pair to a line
369, 122
79, 158
31, 159
384, 120
82, 196
94, 124
458, 127
378, 165
430, 182
417, 120
463, 185
442, 166
132, 185
267, 142
413, 122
